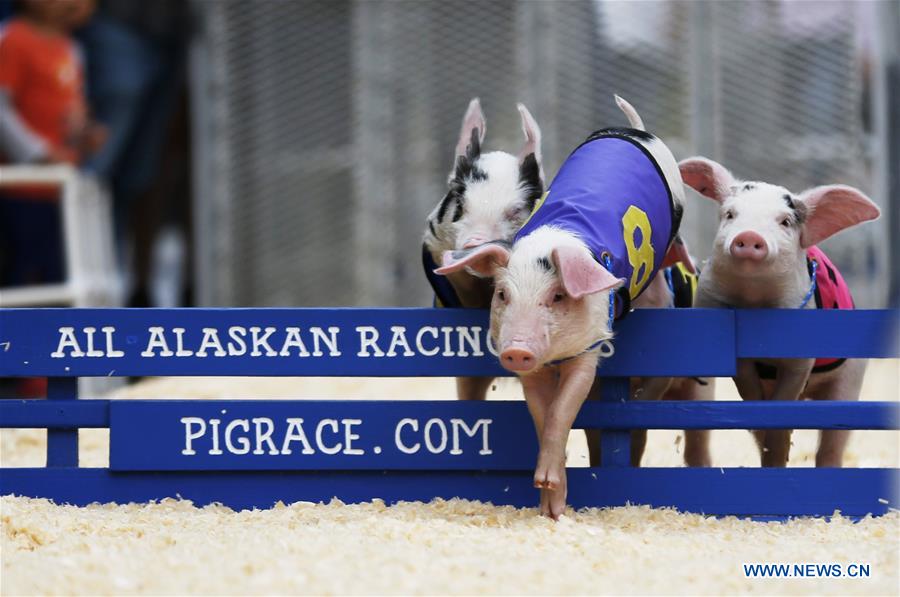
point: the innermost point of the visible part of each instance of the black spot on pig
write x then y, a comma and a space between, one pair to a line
530, 180
748, 186
677, 213
620, 132
800, 211
466, 165
457, 214
450, 197
545, 264
431, 228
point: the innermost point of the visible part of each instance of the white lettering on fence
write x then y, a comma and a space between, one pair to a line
473, 337
295, 432
237, 346
319, 428
368, 338
399, 339
157, 340
432, 331
242, 441
211, 340
189, 437
265, 436
331, 341
180, 351
258, 341
260, 436
293, 340
460, 424
261, 341
67, 339
414, 424
110, 350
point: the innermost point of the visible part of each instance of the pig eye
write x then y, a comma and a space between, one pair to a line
786, 222
558, 297
729, 215
501, 295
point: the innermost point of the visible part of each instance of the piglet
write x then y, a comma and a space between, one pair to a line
489, 196
605, 224
765, 257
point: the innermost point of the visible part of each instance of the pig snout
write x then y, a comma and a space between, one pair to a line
518, 358
749, 245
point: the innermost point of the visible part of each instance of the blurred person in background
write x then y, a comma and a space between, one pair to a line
135, 54
44, 118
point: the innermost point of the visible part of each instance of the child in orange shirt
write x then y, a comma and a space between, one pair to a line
43, 118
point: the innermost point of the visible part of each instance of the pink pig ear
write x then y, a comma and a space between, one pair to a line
678, 251
707, 177
484, 260
833, 208
532, 138
581, 274
471, 134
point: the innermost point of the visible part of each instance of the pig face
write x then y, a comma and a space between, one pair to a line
490, 195
764, 227
550, 301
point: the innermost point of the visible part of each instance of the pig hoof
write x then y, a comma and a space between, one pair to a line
548, 476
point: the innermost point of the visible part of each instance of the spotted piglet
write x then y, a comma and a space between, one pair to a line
590, 248
765, 257
489, 197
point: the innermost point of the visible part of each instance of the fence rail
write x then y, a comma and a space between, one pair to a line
254, 453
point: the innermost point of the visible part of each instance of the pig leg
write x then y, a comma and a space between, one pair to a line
575, 380
791, 380
749, 386
473, 388
593, 435
696, 441
540, 389
844, 383
648, 388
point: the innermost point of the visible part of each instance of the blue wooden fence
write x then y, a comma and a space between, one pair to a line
254, 453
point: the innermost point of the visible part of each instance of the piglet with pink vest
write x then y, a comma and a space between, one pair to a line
764, 257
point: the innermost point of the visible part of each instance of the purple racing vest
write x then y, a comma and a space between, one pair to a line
611, 193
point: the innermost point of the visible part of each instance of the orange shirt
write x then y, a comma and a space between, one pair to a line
43, 75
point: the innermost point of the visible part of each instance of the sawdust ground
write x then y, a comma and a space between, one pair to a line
456, 547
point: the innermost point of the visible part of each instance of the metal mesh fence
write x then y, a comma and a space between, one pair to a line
327, 128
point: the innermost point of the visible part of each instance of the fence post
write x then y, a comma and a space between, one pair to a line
62, 444
615, 445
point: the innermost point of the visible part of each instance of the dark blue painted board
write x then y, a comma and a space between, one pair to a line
730, 491
648, 342
650, 415
818, 333
320, 435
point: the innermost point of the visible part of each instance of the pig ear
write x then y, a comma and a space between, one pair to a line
833, 208
707, 177
532, 139
471, 134
678, 251
581, 274
484, 260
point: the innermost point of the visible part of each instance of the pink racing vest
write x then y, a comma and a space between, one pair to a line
832, 292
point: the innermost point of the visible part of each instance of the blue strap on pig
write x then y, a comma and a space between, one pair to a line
612, 194
444, 293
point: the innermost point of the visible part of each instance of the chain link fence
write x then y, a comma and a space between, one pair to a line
326, 129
